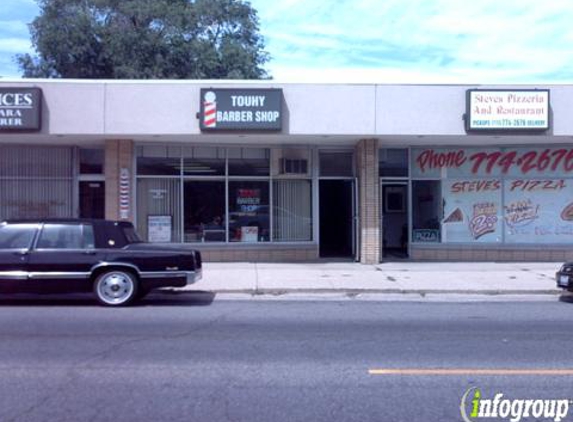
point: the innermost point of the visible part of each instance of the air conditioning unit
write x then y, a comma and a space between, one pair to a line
293, 166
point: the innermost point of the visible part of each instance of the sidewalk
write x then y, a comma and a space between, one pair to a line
392, 277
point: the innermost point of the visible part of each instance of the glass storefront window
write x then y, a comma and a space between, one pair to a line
538, 211
393, 162
91, 160
249, 161
512, 195
222, 194
427, 211
203, 161
249, 211
292, 210
472, 210
336, 164
158, 161
204, 211
159, 198
36, 188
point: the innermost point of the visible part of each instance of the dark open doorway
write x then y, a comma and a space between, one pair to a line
336, 218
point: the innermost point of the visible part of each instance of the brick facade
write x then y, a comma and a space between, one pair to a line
118, 156
468, 253
274, 253
369, 200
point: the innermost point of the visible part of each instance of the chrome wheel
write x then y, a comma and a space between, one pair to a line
115, 288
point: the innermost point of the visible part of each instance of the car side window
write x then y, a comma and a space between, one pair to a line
17, 236
61, 236
89, 238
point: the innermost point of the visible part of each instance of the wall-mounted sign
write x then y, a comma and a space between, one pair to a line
20, 109
500, 110
241, 109
159, 228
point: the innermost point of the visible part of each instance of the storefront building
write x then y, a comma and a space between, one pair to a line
262, 171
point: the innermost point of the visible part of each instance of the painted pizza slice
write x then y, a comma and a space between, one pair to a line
567, 213
457, 216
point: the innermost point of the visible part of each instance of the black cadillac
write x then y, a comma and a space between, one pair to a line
106, 257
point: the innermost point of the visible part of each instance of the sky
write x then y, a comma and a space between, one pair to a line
388, 41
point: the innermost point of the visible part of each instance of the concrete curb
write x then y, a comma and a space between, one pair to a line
356, 292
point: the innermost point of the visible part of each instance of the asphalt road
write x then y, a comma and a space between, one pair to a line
189, 358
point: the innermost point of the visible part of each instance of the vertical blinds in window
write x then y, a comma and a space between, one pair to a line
36, 182
292, 210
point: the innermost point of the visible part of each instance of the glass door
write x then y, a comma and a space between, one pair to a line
394, 219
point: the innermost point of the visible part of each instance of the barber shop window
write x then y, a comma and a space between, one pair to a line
206, 194
203, 161
158, 161
249, 161
249, 211
292, 210
159, 197
204, 204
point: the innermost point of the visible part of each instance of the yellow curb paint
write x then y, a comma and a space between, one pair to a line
470, 371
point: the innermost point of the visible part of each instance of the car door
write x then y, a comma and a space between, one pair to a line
63, 256
15, 243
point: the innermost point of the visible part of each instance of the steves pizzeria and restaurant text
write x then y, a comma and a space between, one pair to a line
513, 104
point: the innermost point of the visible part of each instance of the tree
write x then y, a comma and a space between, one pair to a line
144, 39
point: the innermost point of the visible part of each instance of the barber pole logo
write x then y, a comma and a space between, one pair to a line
210, 109
124, 193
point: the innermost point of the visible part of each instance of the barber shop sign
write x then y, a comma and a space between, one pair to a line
241, 109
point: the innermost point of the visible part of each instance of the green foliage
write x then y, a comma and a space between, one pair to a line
144, 39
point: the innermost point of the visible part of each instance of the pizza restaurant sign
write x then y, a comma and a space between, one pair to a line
241, 109
20, 109
499, 110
